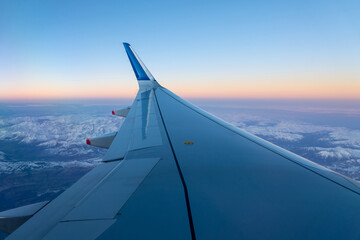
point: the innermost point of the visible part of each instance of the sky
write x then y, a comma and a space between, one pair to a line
218, 49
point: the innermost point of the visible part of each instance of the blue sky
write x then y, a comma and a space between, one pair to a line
67, 49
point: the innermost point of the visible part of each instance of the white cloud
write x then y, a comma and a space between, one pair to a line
293, 130
62, 135
10, 167
281, 131
336, 152
347, 137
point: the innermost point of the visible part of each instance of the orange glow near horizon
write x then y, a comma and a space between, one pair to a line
212, 89
270, 90
39, 94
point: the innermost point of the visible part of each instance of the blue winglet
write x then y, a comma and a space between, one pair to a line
140, 70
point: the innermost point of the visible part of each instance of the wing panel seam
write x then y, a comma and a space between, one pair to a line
192, 230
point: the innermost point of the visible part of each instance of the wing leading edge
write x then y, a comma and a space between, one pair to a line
226, 184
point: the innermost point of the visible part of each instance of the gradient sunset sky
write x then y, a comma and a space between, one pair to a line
235, 49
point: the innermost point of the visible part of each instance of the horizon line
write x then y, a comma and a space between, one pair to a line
188, 97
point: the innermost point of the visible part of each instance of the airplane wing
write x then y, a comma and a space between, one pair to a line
174, 171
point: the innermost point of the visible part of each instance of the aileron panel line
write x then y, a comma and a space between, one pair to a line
88, 230
44, 220
113, 191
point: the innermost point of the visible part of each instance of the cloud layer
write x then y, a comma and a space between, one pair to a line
64, 135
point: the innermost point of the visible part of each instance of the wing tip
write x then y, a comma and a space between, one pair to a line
140, 70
